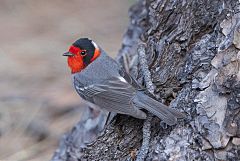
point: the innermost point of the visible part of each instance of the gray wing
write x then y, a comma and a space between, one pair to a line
130, 79
114, 95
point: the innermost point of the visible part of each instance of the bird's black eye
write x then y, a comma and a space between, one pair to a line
83, 53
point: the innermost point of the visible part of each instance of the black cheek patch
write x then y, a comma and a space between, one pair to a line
87, 58
86, 44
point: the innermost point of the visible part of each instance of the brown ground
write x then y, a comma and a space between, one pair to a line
37, 102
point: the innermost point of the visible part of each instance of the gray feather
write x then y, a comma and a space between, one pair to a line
113, 95
168, 115
107, 85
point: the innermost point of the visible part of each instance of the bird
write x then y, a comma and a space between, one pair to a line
99, 79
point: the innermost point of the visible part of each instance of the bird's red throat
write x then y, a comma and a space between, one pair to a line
76, 62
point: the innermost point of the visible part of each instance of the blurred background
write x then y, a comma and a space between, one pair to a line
37, 102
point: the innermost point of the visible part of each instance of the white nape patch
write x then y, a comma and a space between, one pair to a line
122, 79
95, 45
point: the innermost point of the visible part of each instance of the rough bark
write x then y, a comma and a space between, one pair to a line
192, 53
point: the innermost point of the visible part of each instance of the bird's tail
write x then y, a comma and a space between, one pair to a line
167, 114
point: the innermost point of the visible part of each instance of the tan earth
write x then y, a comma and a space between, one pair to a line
37, 102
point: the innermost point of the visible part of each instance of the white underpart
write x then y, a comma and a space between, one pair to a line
79, 88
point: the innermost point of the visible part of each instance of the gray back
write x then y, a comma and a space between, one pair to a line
102, 68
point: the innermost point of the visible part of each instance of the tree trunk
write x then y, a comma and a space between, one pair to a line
191, 48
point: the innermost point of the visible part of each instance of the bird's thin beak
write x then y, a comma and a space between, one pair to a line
67, 54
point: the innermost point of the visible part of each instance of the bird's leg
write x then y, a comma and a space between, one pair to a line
150, 87
109, 119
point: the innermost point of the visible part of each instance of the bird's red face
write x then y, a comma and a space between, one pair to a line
81, 53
